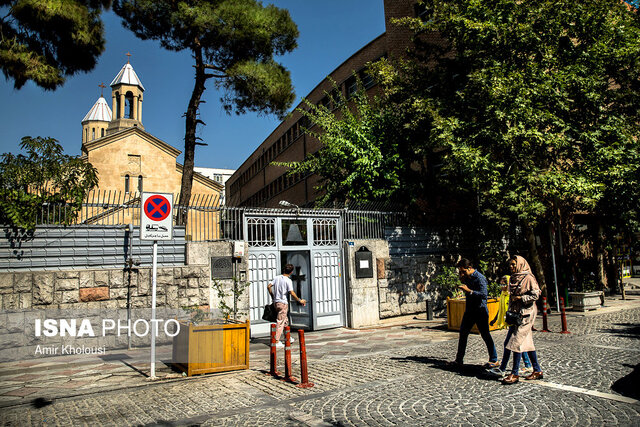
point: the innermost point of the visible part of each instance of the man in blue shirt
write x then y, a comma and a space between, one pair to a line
476, 312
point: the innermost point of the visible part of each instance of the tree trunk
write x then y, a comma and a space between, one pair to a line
598, 247
612, 273
536, 264
190, 132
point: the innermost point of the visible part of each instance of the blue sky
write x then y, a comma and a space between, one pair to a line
330, 32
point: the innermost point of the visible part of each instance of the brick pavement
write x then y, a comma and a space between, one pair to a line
400, 380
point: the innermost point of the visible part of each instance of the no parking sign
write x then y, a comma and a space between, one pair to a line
156, 216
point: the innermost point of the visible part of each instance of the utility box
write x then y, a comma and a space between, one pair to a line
238, 249
364, 263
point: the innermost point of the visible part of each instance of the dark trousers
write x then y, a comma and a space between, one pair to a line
479, 317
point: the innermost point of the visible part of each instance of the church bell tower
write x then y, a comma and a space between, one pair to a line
126, 94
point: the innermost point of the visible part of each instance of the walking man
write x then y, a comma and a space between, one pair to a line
279, 289
476, 312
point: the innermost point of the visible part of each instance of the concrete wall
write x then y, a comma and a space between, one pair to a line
362, 294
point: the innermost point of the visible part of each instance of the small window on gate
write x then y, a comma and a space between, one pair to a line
325, 232
294, 232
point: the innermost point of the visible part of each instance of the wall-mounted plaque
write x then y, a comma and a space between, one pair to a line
221, 267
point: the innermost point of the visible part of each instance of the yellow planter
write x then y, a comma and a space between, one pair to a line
205, 349
455, 311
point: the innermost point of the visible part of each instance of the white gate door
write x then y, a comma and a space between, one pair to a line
327, 289
272, 240
264, 265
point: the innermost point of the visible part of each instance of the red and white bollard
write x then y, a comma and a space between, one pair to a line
564, 318
303, 362
287, 357
545, 325
273, 366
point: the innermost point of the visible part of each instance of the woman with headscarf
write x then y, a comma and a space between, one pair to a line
523, 291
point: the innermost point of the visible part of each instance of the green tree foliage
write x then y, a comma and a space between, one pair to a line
233, 42
533, 101
533, 105
46, 41
359, 158
43, 177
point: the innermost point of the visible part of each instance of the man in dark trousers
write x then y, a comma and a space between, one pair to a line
474, 286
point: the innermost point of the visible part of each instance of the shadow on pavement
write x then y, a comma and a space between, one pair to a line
624, 330
628, 385
465, 371
115, 356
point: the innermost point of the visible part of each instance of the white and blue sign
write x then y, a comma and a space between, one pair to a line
156, 216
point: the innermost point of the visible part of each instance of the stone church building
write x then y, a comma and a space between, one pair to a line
128, 158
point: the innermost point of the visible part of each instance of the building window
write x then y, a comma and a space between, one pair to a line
139, 183
93, 133
101, 132
351, 86
126, 183
217, 177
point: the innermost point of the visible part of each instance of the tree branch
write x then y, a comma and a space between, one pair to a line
208, 76
213, 67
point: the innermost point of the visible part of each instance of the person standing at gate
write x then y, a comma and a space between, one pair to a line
476, 312
279, 288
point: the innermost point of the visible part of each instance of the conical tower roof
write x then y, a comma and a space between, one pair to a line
99, 112
127, 76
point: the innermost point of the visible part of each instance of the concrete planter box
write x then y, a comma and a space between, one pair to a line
204, 349
583, 301
455, 311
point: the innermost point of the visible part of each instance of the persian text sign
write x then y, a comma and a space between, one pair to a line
156, 218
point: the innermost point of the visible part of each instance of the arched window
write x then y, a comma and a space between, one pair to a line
128, 105
117, 105
86, 135
93, 133
126, 183
101, 132
140, 183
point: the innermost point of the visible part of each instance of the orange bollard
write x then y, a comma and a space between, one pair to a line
545, 325
273, 366
564, 318
303, 362
287, 357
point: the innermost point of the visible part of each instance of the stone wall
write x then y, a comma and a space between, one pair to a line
407, 285
111, 294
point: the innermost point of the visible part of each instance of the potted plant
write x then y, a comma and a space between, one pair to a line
448, 281
586, 296
206, 344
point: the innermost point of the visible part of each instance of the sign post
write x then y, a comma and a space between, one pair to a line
156, 223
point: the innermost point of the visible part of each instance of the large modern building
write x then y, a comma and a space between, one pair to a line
258, 182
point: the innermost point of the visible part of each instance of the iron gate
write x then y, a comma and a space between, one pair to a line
312, 244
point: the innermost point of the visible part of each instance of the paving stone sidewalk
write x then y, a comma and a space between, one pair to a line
392, 375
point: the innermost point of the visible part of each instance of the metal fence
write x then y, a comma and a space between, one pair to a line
206, 220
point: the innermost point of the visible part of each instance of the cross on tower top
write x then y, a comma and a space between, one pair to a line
128, 57
101, 86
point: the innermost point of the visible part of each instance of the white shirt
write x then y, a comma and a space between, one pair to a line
281, 287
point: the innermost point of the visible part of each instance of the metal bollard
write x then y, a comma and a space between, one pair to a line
429, 308
287, 357
564, 318
273, 365
545, 325
303, 362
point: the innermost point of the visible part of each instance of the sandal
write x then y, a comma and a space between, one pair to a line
490, 365
510, 379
